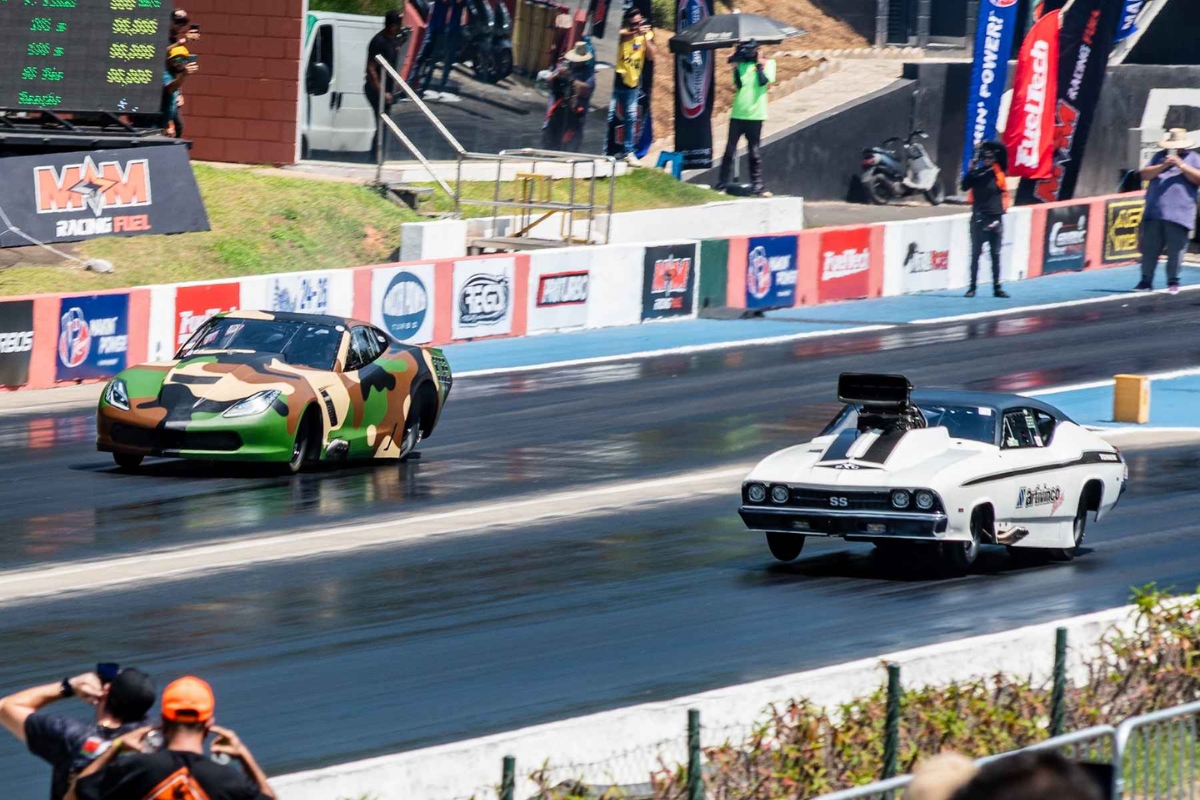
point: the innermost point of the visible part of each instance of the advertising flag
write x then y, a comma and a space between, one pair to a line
694, 90
993, 44
1029, 134
1129, 15
1084, 42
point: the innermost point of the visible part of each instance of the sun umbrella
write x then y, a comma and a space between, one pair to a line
728, 30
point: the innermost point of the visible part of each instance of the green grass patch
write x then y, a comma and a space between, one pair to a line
264, 223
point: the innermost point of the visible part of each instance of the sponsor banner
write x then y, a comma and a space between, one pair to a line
1029, 134
325, 292
195, 304
771, 272
694, 74
93, 336
16, 342
844, 266
1129, 15
1122, 225
67, 197
560, 289
1066, 238
483, 297
918, 256
993, 43
1084, 41
402, 302
669, 281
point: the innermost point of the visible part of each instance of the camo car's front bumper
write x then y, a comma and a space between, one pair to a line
263, 437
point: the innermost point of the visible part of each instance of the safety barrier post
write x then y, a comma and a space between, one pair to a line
891, 733
695, 781
1058, 693
508, 778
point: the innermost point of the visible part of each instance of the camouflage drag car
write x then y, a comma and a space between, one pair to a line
276, 387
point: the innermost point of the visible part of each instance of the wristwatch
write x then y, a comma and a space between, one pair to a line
67, 689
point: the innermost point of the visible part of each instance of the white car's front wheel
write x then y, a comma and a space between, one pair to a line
959, 556
785, 546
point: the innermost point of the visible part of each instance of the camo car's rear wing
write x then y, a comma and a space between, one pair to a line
865, 389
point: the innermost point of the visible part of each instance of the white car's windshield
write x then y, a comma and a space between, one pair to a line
303, 344
977, 423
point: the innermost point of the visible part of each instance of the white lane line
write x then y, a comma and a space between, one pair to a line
674, 351
157, 565
1000, 312
1074, 387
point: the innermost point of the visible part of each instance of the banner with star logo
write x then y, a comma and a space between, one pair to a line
69, 197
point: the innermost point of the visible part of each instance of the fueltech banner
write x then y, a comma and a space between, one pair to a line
693, 91
993, 43
1084, 42
1029, 134
845, 264
67, 197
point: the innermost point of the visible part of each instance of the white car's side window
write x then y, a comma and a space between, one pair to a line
1021, 429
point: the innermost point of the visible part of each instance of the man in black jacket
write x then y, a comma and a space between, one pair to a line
987, 191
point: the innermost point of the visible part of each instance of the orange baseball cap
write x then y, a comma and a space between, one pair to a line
188, 699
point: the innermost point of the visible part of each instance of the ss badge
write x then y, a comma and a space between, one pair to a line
839, 502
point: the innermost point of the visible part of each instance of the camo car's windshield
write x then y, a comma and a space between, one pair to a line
977, 423
304, 344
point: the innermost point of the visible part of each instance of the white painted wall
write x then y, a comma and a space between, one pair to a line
460, 769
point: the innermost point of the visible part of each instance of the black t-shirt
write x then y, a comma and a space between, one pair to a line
987, 196
68, 745
164, 775
389, 49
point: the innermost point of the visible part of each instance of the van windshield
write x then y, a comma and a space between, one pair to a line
977, 423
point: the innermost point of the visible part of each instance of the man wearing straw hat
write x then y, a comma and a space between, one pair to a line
1174, 176
571, 86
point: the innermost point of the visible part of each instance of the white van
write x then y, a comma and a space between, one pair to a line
335, 114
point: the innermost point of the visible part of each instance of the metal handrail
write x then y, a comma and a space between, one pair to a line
1126, 730
1096, 732
869, 789
523, 155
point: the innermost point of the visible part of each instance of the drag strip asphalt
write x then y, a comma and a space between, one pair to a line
327, 660
516, 435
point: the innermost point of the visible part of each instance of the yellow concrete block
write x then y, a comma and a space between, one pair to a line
1131, 399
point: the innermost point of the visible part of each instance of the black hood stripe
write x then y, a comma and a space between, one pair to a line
841, 445
881, 449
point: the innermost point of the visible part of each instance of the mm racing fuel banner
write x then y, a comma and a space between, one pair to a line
1084, 41
1066, 238
1122, 223
669, 281
993, 43
844, 264
16, 342
694, 90
771, 272
93, 336
68, 197
402, 302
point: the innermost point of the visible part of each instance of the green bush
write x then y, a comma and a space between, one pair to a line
662, 14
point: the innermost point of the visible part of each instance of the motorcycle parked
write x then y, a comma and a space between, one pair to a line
898, 169
487, 41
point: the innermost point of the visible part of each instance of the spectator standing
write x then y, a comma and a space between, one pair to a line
752, 79
431, 44
179, 66
571, 86
986, 186
180, 32
379, 87
939, 777
68, 744
635, 46
1174, 175
188, 708
1031, 776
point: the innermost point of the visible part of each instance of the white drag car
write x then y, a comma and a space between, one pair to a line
937, 472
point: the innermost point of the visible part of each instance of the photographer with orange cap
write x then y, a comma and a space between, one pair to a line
180, 768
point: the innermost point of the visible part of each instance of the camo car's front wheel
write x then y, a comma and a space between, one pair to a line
127, 460
304, 444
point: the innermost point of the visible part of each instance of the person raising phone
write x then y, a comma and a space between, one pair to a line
1174, 180
180, 767
121, 698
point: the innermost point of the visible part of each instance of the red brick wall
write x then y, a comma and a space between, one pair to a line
242, 104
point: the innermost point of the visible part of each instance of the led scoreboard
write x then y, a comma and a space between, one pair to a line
83, 55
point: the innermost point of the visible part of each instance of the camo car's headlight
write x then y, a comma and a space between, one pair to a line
116, 394
924, 500
756, 492
780, 494
900, 499
254, 404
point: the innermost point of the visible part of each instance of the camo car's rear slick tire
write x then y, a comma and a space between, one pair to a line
419, 421
785, 546
128, 461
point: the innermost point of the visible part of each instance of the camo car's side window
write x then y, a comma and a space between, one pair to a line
365, 347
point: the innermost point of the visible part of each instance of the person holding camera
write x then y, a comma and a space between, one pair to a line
752, 78
986, 186
180, 768
1174, 175
121, 697
634, 47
